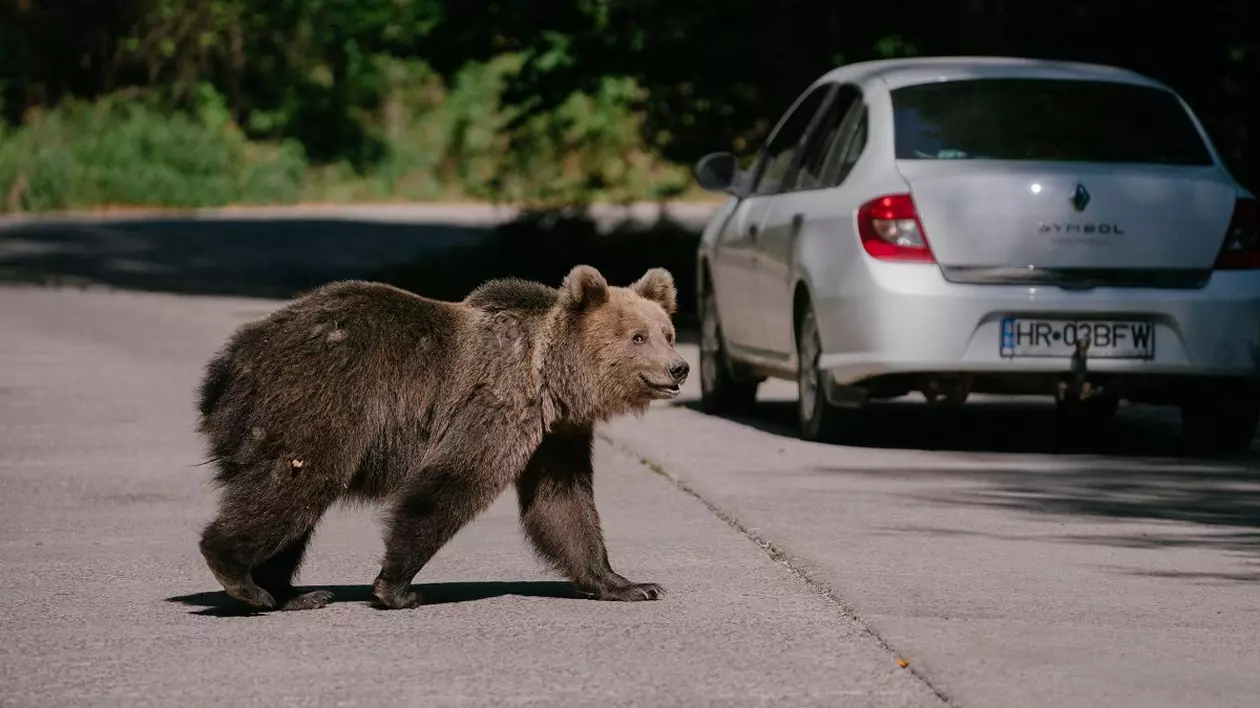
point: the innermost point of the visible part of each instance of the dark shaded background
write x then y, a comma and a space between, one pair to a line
716, 73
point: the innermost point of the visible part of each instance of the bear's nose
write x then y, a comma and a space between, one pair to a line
679, 370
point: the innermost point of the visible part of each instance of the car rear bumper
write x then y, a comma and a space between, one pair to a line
907, 318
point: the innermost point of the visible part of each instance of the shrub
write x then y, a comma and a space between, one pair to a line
124, 150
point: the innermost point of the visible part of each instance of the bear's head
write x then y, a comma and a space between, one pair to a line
626, 339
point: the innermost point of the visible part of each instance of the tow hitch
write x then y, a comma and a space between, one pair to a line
1077, 388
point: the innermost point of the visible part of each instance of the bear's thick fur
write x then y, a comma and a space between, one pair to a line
363, 391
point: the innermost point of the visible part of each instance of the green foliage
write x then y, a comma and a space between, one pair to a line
462, 142
716, 74
122, 150
588, 145
439, 142
542, 102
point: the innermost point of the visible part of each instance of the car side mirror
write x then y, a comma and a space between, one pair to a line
719, 172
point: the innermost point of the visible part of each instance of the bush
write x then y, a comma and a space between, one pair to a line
123, 150
439, 141
458, 140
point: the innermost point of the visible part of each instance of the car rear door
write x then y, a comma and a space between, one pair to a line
775, 165
731, 267
804, 195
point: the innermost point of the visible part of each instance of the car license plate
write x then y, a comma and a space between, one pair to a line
1108, 339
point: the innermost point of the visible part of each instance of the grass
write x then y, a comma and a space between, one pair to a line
123, 151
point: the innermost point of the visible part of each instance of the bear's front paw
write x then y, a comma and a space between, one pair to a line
313, 600
632, 592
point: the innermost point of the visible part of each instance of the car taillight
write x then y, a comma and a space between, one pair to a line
1242, 242
890, 230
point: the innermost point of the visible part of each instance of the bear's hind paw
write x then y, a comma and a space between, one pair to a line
395, 598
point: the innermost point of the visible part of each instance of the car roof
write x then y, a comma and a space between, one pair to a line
919, 70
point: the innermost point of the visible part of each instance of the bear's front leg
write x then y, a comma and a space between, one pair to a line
557, 505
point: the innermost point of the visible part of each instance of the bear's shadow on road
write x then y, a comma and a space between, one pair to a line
218, 604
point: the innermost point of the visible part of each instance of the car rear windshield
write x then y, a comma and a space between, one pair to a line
1044, 119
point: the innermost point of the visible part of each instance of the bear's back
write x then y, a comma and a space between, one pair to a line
345, 346
516, 294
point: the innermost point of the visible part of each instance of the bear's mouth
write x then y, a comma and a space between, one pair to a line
663, 390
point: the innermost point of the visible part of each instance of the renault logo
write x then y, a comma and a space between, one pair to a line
1080, 198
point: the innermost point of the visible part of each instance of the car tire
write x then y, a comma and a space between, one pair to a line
1220, 425
720, 392
817, 419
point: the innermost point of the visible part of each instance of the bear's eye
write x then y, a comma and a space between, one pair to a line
639, 339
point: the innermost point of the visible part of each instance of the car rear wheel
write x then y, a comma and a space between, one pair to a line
720, 391
1220, 424
816, 417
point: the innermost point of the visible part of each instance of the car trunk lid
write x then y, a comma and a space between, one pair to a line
1051, 180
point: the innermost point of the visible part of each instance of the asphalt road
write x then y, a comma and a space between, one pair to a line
1007, 571
106, 600
1004, 570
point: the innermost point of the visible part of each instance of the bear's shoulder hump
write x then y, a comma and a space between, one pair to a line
512, 294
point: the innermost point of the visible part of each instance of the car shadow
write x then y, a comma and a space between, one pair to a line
1210, 505
1134, 470
992, 426
218, 604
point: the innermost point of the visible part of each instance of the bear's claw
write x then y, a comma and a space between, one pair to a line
632, 592
251, 595
308, 601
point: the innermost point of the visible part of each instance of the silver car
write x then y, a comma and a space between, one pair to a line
982, 225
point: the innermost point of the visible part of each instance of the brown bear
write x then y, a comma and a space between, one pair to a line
362, 391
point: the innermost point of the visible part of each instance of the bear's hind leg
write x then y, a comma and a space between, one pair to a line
275, 575
263, 527
229, 553
557, 506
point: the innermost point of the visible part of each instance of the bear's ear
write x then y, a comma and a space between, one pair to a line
584, 287
657, 285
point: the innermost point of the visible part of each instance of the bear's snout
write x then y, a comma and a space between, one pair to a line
679, 369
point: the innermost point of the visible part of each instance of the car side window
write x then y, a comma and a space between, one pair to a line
779, 154
848, 148
828, 133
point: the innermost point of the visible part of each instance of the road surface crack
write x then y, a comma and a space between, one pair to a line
783, 558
